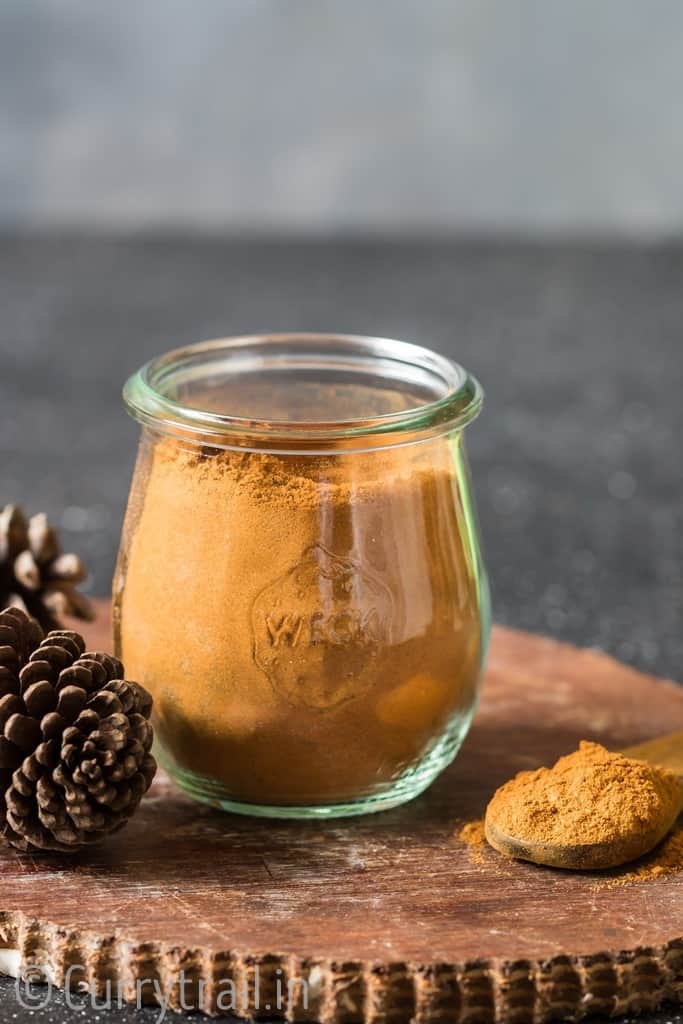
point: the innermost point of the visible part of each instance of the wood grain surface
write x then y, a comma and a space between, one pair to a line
388, 917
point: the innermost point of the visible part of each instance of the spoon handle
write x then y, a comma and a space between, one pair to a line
665, 751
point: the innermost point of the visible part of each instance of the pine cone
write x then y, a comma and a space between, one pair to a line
34, 574
75, 739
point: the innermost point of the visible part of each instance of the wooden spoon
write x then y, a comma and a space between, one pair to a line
665, 752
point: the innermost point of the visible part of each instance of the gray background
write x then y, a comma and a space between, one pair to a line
558, 116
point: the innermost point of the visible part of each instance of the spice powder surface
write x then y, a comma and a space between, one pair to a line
589, 796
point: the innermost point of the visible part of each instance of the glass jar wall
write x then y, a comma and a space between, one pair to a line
299, 583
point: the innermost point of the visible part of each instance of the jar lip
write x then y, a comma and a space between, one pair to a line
457, 406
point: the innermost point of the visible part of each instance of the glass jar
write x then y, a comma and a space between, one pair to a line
299, 583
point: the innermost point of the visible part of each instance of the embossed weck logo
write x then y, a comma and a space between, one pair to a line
318, 627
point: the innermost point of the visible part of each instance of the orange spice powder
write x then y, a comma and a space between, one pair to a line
307, 625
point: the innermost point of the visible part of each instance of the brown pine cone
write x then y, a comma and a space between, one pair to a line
34, 574
75, 739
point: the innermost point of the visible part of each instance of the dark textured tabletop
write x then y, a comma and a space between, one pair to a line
576, 457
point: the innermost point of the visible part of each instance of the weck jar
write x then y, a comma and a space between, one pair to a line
299, 583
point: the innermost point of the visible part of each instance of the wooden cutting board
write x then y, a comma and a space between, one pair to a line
382, 918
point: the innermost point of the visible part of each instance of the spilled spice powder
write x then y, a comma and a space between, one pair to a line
666, 859
473, 835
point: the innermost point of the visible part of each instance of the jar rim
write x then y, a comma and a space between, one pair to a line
148, 401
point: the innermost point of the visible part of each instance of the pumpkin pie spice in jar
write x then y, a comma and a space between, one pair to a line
299, 584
